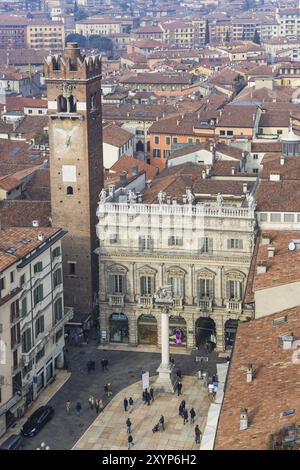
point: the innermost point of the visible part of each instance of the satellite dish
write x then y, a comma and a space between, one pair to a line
292, 246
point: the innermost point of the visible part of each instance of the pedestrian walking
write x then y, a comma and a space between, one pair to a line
181, 409
179, 388
144, 396
91, 402
192, 414
197, 434
130, 405
68, 407
101, 406
128, 424
106, 389
109, 389
162, 422
152, 394
148, 398
130, 441
183, 404
78, 408
185, 416
178, 373
97, 408
125, 404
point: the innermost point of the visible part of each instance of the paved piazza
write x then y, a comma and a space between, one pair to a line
109, 431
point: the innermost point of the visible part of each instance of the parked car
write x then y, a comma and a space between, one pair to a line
14, 442
37, 421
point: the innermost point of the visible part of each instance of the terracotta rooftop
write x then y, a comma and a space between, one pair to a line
126, 163
21, 213
159, 78
289, 170
283, 267
115, 135
273, 390
278, 196
238, 116
23, 240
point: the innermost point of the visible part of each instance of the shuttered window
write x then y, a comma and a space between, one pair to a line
205, 288
206, 245
234, 244
147, 285
234, 290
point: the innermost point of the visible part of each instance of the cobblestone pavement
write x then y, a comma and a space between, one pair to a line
109, 431
63, 431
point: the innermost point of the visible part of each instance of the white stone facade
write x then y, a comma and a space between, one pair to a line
204, 251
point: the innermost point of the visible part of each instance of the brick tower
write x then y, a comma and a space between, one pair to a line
76, 167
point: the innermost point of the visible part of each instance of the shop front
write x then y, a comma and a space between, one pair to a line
147, 330
118, 328
177, 331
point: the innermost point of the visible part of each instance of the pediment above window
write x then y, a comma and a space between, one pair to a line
116, 268
205, 274
235, 275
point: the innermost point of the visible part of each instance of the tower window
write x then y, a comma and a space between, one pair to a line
72, 268
70, 190
61, 104
72, 104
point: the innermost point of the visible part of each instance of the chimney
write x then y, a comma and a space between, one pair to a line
249, 373
35, 223
287, 341
282, 160
243, 419
149, 183
168, 199
271, 251
265, 240
207, 171
134, 170
123, 178
203, 174
261, 269
233, 170
111, 190
41, 237
139, 198
245, 187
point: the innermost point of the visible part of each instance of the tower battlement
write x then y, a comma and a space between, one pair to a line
72, 65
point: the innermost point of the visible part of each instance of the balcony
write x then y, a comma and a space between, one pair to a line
116, 300
234, 306
145, 300
205, 304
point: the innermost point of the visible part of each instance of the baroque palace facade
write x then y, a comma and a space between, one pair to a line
202, 249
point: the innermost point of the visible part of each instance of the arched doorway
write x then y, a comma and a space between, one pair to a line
118, 328
177, 331
230, 332
147, 329
139, 146
205, 332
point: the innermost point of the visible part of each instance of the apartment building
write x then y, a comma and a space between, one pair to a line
186, 230
289, 22
184, 33
104, 26
12, 32
45, 35
32, 316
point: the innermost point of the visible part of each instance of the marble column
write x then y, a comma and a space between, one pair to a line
166, 379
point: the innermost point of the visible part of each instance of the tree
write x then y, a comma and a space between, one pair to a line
99, 42
256, 37
239, 83
41, 138
207, 38
79, 38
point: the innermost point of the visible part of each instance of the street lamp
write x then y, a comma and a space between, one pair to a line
164, 300
43, 446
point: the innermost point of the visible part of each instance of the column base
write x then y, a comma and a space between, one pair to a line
166, 380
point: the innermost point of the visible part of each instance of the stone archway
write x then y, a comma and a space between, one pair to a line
205, 331
177, 331
118, 328
147, 329
140, 146
230, 332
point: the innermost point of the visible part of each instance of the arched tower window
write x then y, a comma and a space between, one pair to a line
62, 105
72, 104
70, 190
